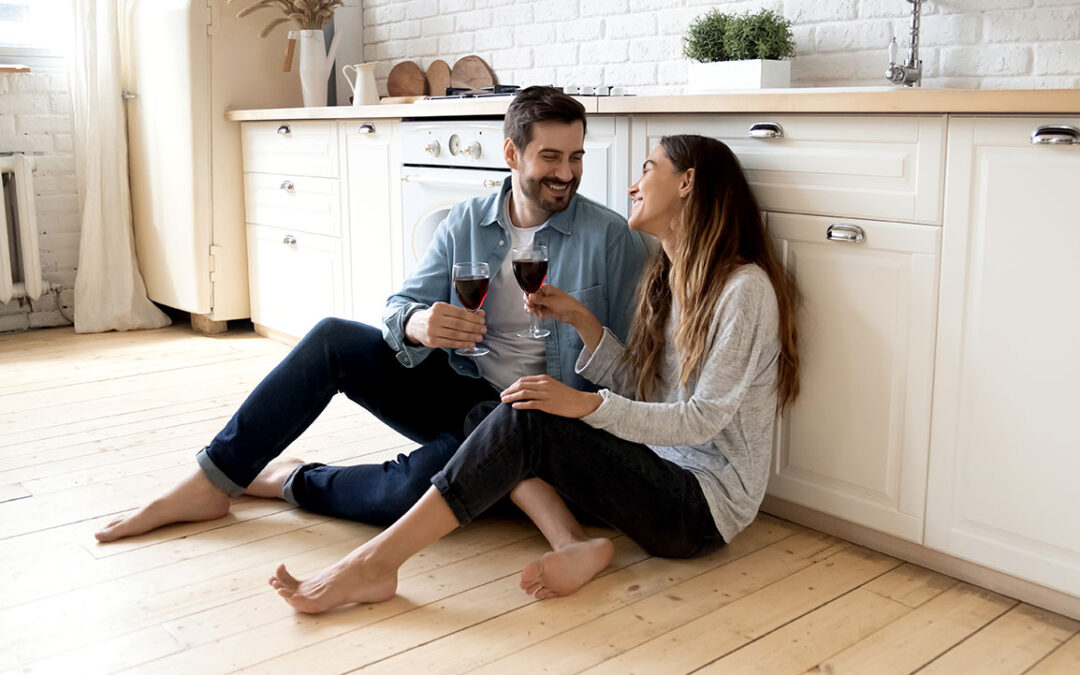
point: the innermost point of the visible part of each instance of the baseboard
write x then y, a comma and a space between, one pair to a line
275, 334
999, 582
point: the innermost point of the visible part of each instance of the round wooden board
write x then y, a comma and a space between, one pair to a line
406, 79
471, 72
438, 77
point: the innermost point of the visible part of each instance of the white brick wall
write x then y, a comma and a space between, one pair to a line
35, 118
999, 44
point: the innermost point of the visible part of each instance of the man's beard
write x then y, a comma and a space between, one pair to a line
532, 188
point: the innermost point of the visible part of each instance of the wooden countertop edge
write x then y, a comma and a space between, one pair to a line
808, 100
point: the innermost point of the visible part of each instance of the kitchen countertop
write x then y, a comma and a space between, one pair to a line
850, 100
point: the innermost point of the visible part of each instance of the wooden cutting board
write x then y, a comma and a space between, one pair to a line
438, 77
471, 72
406, 79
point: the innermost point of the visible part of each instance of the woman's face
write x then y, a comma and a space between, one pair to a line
657, 197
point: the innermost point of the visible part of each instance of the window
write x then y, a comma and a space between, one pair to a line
34, 32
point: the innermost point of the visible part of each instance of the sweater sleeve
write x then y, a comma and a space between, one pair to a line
744, 323
607, 366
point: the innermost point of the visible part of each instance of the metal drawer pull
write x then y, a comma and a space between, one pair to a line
287, 186
289, 240
1055, 135
284, 130
852, 234
766, 130
426, 180
366, 128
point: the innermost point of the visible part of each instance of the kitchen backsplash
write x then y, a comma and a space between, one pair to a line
35, 118
637, 44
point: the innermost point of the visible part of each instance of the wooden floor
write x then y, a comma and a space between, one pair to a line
93, 425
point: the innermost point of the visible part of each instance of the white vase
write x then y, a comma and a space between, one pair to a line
315, 66
703, 78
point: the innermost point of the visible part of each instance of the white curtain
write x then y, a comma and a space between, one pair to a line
109, 291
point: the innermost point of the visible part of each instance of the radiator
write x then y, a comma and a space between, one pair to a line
20, 262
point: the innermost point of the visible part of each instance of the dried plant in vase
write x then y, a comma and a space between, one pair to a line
307, 14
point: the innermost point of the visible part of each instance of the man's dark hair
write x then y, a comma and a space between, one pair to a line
539, 104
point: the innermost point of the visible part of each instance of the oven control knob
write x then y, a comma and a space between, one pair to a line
432, 148
473, 150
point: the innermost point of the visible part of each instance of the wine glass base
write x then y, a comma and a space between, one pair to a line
472, 353
537, 334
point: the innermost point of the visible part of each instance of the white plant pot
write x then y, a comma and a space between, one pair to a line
704, 78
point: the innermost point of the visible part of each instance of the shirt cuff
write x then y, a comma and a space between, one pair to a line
394, 334
596, 365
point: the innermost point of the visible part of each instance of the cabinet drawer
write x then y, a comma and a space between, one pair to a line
291, 201
296, 278
878, 167
297, 148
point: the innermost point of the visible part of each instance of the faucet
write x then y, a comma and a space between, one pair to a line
907, 74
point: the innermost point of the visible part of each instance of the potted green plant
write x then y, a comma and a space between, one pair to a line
745, 51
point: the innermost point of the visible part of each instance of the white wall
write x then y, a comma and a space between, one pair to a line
35, 118
1004, 44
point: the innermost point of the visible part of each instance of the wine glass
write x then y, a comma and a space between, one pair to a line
471, 286
530, 270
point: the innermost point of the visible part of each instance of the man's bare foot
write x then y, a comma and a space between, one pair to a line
562, 572
271, 479
352, 579
193, 499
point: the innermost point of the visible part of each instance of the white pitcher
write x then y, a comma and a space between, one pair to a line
315, 66
362, 83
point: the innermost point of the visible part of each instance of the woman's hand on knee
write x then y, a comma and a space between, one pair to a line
545, 393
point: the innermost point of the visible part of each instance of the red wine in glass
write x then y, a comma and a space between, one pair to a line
530, 269
471, 287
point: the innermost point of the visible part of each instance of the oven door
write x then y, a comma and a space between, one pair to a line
428, 193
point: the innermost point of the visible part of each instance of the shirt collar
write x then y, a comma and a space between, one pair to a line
562, 221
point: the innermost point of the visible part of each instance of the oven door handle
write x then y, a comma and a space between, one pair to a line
456, 182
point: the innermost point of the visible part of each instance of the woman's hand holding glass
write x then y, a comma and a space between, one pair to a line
545, 393
550, 302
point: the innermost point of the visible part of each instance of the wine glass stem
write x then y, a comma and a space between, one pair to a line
534, 326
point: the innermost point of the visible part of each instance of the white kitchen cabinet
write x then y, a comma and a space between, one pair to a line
373, 194
886, 167
1005, 444
854, 444
605, 175
297, 278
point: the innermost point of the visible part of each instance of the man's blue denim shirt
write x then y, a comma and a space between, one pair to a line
594, 256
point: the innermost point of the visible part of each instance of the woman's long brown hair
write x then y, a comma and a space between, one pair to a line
720, 230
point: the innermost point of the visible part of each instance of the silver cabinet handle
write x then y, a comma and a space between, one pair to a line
289, 240
766, 130
366, 128
427, 180
1055, 135
284, 130
851, 234
127, 95
287, 186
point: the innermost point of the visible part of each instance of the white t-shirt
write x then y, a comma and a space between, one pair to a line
511, 356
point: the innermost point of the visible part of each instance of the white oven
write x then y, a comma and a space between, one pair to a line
444, 162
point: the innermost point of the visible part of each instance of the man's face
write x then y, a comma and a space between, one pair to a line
549, 169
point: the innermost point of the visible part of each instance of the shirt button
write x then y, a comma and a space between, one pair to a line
501, 243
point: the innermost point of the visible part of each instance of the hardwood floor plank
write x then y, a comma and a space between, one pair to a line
911, 585
914, 640
713, 635
12, 491
1065, 660
1012, 643
108, 656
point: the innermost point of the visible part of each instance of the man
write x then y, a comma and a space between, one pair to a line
407, 374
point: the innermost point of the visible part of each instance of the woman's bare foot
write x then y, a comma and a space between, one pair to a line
193, 499
562, 572
354, 578
271, 479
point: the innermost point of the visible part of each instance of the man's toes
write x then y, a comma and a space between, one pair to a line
285, 579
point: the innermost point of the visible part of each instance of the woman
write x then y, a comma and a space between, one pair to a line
675, 452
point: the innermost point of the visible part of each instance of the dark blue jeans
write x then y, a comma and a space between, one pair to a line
655, 502
428, 404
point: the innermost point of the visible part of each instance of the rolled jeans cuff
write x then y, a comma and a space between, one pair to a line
288, 488
453, 498
216, 476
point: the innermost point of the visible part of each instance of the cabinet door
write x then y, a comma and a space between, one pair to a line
855, 443
1005, 445
604, 176
296, 278
373, 189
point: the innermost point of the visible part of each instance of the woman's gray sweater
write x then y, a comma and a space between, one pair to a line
720, 427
